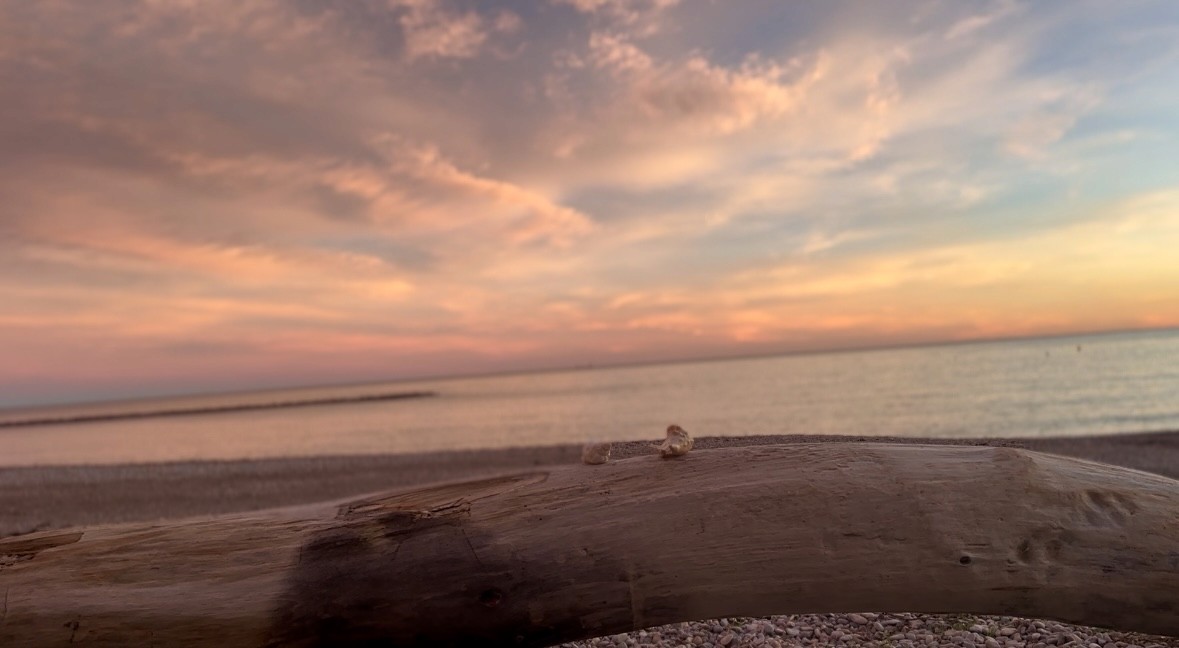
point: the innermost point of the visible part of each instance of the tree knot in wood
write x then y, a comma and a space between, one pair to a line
384, 514
404, 522
491, 598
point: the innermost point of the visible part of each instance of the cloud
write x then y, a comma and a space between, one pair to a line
695, 92
968, 26
1049, 121
383, 189
432, 30
637, 17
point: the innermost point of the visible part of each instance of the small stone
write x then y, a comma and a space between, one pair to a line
726, 639
677, 443
595, 453
991, 643
981, 629
793, 632
1007, 632
858, 619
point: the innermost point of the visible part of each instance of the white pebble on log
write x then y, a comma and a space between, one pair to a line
677, 443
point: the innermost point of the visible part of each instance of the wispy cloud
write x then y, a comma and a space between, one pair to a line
297, 192
431, 29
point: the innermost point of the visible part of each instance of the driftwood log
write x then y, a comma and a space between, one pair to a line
578, 551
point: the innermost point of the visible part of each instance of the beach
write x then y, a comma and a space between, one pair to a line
44, 498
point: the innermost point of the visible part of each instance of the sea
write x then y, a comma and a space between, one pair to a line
1064, 386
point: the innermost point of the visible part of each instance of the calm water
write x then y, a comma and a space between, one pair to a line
1113, 383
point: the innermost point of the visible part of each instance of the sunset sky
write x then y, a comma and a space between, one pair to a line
227, 194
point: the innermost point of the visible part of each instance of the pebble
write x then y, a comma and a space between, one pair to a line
593, 454
868, 630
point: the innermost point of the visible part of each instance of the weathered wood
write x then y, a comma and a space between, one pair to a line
578, 551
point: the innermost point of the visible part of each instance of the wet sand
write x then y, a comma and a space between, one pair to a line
40, 498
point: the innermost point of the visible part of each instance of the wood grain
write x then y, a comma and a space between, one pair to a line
571, 552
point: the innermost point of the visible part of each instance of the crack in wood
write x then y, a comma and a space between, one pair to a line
33, 545
636, 602
469, 546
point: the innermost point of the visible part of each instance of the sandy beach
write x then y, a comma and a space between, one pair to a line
42, 498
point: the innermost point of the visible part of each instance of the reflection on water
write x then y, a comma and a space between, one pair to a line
1064, 386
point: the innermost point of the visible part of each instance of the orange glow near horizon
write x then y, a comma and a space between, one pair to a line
250, 194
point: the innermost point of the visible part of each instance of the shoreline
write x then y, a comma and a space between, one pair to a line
37, 498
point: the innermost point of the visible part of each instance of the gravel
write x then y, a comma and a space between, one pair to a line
868, 629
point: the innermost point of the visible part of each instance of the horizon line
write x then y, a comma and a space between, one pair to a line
870, 347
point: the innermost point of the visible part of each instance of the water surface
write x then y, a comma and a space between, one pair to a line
1113, 383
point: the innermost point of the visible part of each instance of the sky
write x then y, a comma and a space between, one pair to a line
218, 195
